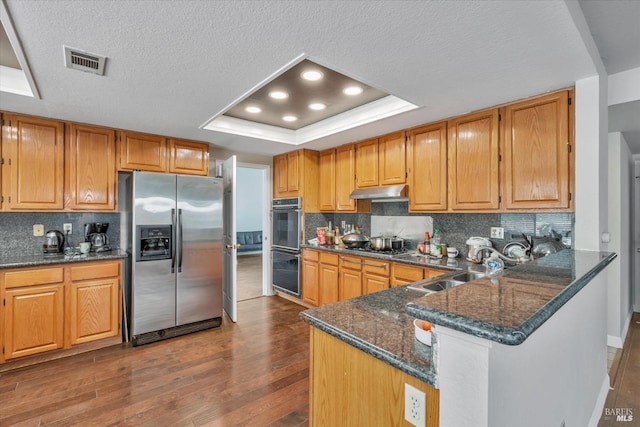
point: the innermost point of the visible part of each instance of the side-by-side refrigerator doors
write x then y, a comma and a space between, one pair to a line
199, 249
153, 292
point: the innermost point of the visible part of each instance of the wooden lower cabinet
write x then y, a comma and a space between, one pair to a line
376, 275
350, 280
351, 388
56, 307
310, 275
328, 278
403, 274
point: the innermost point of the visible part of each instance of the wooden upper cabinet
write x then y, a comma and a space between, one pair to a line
91, 166
427, 167
142, 152
345, 177
392, 159
34, 169
187, 157
327, 180
367, 164
536, 153
295, 174
280, 175
473, 161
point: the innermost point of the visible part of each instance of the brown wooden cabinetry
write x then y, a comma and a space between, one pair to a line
403, 274
188, 157
33, 169
93, 311
345, 177
327, 180
473, 161
367, 164
295, 174
434, 272
310, 276
537, 153
91, 168
143, 152
427, 167
376, 275
392, 158
350, 280
329, 278
57, 307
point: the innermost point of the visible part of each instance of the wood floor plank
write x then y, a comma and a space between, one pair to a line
254, 372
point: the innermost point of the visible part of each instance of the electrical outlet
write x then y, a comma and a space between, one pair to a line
67, 227
497, 232
415, 406
38, 230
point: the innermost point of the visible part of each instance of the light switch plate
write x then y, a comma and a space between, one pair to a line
38, 230
67, 227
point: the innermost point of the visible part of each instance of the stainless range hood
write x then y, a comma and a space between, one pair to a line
382, 194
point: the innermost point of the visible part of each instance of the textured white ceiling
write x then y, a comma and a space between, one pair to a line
174, 64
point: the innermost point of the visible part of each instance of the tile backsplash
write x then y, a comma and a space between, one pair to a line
456, 228
16, 229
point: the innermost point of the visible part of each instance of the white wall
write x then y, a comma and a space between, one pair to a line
249, 187
621, 171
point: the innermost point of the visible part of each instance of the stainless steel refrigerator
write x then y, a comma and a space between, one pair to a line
177, 254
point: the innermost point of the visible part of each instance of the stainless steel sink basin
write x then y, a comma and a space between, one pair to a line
440, 284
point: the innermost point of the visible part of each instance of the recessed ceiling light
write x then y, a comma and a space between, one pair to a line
253, 109
278, 94
352, 90
289, 118
317, 106
312, 75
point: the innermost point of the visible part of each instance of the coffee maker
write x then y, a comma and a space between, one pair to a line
96, 233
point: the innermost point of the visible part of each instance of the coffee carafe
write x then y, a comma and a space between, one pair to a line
96, 233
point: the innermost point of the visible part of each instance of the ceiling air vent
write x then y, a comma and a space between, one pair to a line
84, 61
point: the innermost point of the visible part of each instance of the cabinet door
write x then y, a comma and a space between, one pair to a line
350, 284
427, 168
392, 159
280, 176
327, 181
473, 157
33, 320
188, 157
143, 152
403, 274
36, 164
91, 160
328, 284
345, 177
537, 153
293, 172
372, 283
367, 164
93, 311
310, 277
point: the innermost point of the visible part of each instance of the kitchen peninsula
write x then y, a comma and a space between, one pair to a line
491, 338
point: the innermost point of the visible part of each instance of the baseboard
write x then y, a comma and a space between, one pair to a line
613, 341
600, 401
617, 342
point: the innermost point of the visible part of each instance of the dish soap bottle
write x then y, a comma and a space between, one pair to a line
494, 265
435, 243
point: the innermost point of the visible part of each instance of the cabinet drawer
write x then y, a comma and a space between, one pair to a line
15, 279
407, 272
309, 255
95, 271
351, 262
331, 259
433, 272
373, 266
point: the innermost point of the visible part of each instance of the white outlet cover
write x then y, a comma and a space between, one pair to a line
415, 406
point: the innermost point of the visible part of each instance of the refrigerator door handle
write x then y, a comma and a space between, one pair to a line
180, 241
173, 241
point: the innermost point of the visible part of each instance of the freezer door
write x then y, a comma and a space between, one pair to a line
153, 289
199, 249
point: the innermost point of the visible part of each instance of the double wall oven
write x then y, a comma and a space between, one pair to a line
285, 248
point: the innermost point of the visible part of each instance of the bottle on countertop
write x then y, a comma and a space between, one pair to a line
435, 243
494, 265
426, 245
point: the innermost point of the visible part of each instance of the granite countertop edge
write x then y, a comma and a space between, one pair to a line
507, 335
427, 376
39, 260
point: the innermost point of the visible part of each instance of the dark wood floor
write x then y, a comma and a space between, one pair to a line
252, 373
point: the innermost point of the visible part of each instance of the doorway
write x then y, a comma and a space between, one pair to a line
252, 218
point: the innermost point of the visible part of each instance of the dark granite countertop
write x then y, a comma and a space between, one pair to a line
506, 310
510, 308
38, 260
410, 257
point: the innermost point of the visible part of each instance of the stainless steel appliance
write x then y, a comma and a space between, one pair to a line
176, 244
96, 234
285, 249
53, 242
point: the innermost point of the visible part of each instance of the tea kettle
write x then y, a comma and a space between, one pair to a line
475, 251
53, 242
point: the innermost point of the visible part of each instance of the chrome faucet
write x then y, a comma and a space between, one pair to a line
520, 260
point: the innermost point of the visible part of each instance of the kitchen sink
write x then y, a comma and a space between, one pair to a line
440, 284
